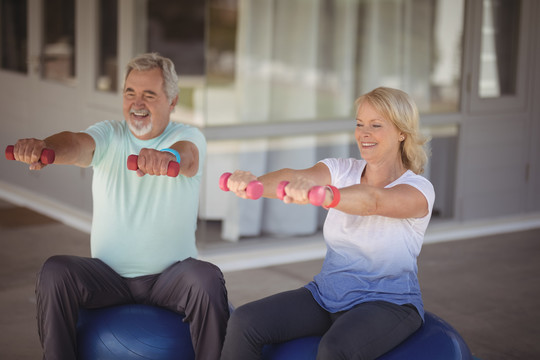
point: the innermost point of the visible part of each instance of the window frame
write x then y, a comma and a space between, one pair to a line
471, 94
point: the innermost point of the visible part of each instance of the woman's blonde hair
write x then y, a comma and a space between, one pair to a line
398, 107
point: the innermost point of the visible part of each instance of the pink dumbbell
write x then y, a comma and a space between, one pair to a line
254, 189
316, 194
47, 155
173, 168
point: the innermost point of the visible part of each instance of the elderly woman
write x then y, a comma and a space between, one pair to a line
366, 300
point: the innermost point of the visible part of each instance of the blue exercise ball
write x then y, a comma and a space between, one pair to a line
435, 340
133, 331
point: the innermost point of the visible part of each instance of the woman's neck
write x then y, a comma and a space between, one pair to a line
380, 175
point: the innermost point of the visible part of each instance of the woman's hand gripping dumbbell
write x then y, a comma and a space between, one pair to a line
254, 189
316, 195
173, 167
47, 157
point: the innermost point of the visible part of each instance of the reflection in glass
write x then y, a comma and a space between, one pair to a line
58, 54
303, 60
498, 61
176, 29
272, 61
107, 62
13, 30
253, 61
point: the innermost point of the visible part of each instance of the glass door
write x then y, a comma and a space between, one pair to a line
58, 52
499, 68
53, 76
13, 35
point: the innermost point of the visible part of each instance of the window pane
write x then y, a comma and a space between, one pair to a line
302, 60
14, 38
176, 30
498, 61
108, 46
222, 31
58, 57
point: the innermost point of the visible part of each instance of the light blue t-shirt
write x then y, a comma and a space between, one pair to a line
370, 258
141, 225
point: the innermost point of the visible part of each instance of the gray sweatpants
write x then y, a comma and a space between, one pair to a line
365, 332
67, 283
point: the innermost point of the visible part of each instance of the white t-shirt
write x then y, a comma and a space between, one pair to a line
370, 258
141, 225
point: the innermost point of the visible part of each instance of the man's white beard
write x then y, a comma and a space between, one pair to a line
139, 129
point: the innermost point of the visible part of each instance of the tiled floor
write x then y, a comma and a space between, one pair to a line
487, 288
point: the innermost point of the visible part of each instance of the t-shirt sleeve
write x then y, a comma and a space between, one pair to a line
332, 166
424, 186
341, 170
195, 136
102, 134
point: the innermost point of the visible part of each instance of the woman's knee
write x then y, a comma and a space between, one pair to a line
336, 346
240, 317
330, 348
243, 320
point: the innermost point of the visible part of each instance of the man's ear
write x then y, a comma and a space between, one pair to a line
173, 103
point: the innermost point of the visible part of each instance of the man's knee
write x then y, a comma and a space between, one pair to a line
55, 277
55, 268
203, 275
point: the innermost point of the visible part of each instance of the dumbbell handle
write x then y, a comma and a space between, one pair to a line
254, 190
316, 194
47, 155
173, 168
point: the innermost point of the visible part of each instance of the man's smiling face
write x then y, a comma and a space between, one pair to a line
145, 106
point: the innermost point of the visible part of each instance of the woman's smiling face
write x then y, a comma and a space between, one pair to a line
378, 138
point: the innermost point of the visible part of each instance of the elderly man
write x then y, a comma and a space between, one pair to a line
143, 230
